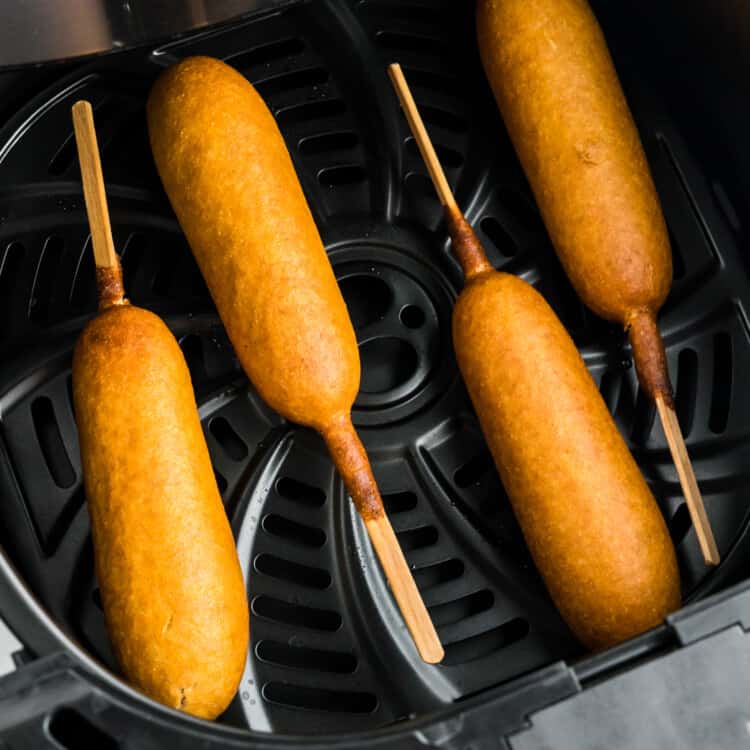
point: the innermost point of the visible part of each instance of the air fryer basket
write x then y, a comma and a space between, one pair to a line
329, 652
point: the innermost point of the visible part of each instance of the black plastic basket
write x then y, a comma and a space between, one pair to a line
329, 653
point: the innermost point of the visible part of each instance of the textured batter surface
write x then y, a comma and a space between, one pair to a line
232, 184
650, 356
466, 245
552, 76
591, 523
171, 584
233, 187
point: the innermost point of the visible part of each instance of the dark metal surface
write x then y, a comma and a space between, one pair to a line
35, 31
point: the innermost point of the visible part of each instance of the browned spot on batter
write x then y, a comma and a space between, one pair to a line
649, 355
350, 459
466, 245
590, 153
109, 286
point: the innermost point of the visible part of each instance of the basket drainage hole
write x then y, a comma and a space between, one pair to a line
296, 614
413, 539
286, 570
295, 79
680, 524
228, 439
318, 699
367, 298
473, 470
442, 572
412, 316
686, 389
340, 140
448, 157
386, 364
299, 492
482, 645
722, 383
48, 272
343, 174
293, 531
461, 609
266, 53
74, 731
11, 265
51, 443
300, 657
499, 236
306, 111
399, 502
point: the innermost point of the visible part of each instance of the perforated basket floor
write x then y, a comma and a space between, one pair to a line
329, 651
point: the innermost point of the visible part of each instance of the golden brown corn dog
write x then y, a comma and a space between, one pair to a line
171, 585
559, 94
235, 192
255, 240
588, 516
591, 523
558, 91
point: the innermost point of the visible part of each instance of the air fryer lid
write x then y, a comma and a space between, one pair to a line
329, 652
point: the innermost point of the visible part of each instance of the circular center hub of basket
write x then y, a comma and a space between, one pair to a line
400, 308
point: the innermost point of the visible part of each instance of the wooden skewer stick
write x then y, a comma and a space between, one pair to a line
474, 264
466, 246
108, 271
343, 441
420, 134
404, 589
653, 374
688, 482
